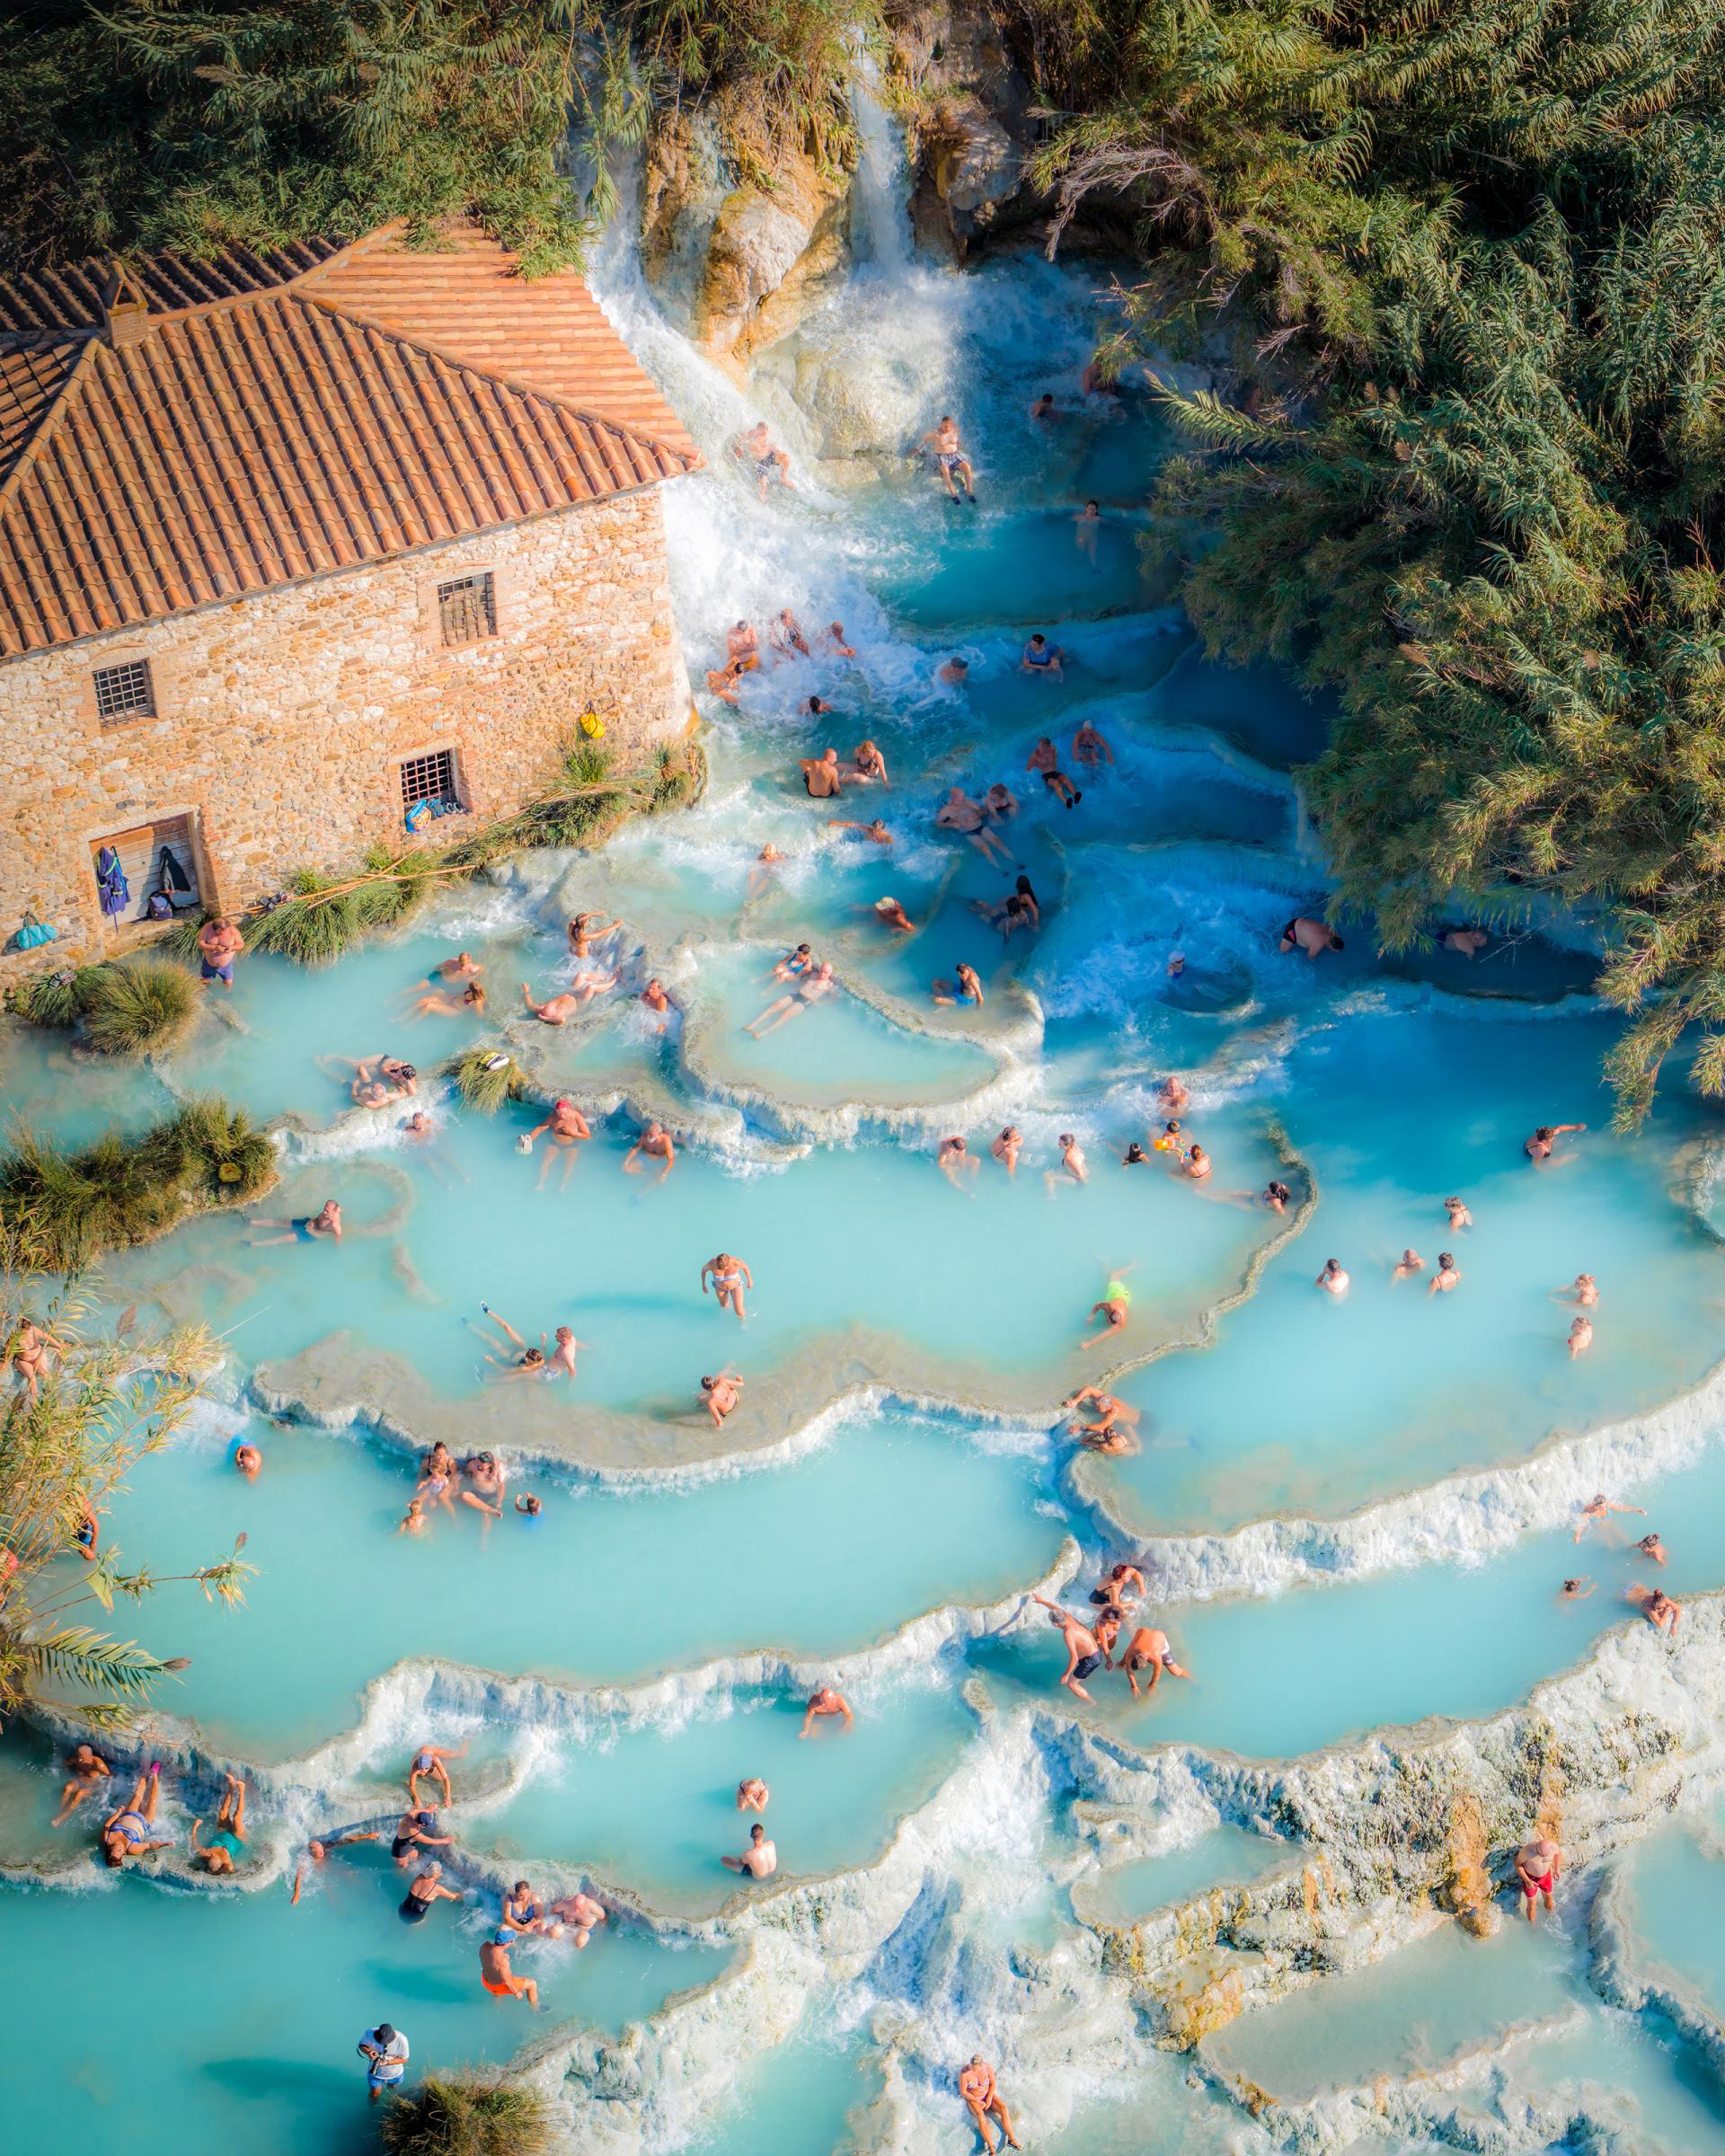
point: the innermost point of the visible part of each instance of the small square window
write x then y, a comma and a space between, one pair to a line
467, 609
125, 692
428, 786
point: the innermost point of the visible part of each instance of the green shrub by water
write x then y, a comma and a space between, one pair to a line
488, 2117
137, 1007
70, 1207
485, 1076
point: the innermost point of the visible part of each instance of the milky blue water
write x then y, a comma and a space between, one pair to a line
910, 1339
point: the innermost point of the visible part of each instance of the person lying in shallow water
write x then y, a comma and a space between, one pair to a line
558, 1009
85, 1770
218, 1854
125, 1833
722, 1392
325, 1225
809, 990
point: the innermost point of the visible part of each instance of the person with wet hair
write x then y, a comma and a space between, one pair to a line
1542, 1145
759, 1861
824, 1704
1447, 1276
729, 1277
723, 1391
1305, 933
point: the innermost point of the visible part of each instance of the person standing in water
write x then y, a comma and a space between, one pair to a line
385, 2052
985, 2103
569, 1131
1085, 525
730, 1277
424, 1888
1332, 1279
1446, 1276
496, 1975
955, 1159
1580, 1336
1459, 1215
1085, 1658
219, 944
1537, 1865
654, 1143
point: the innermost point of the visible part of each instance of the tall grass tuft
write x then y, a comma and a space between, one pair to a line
486, 2116
69, 1208
485, 1076
52, 999
138, 1009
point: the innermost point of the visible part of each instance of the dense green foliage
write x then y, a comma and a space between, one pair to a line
1469, 256
66, 1443
193, 123
138, 1007
68, 1208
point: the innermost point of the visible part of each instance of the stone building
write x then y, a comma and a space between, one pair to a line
306, 550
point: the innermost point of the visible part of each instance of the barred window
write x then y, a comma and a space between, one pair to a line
125, 692
430, 779
467, 609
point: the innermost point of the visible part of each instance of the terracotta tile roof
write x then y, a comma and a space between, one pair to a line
266, 432
74, 296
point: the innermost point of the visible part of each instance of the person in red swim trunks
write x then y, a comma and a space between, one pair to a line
1537, 1865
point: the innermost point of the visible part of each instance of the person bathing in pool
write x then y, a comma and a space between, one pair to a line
1040, 656
943, 444
1044, 758
325, 1225
428, 1765
558, 1009
218, 1854
760, 1859
1148, 1648
1115, 1427
825, 1703
125, 1833
721, 1394
1085, 1658
966, 989
1112, 1309
809, 990
84, 1769
958, 812
496, 1975
654, 1143
730, 1277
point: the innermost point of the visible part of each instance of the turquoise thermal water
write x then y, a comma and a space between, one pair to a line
655, 1808
176, 2020
226, 2016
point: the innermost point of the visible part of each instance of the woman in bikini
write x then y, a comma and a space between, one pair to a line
218, 1855
730, 1277
125, 1833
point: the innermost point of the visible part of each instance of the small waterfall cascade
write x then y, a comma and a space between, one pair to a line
880, 190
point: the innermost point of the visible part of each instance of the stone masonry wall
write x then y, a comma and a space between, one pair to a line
280, 718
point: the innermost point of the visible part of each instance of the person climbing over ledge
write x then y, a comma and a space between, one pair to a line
1537, 1865
428, 1764
984, 2101
1656, 1605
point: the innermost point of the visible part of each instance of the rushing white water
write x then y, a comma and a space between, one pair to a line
879, 225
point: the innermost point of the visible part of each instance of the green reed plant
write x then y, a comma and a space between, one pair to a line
482, 2116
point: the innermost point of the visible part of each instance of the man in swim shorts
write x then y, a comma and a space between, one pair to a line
1044, 758
760, 1859
949, 455
219, 944
496, 1975
654, 1143
84, 1769
1313, 937
1148, 1648
822, 775
1537, 1865
325, 1225
1085, 1658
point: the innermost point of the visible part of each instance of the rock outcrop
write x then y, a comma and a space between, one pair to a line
736, 261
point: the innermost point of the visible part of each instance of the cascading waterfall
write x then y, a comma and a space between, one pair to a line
880, 218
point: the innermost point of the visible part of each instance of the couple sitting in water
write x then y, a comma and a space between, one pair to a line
826, 778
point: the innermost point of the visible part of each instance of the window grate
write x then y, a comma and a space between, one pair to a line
467, 609
430, 779
125, 692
